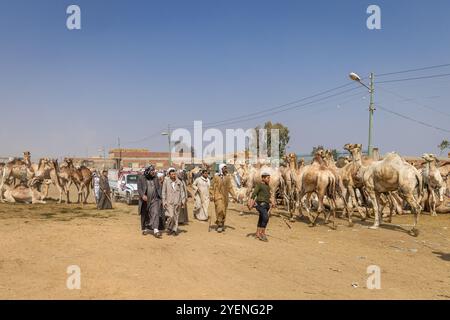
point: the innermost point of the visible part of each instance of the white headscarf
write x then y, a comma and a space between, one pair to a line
221, 166
171, 169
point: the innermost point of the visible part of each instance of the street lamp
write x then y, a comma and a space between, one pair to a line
357, 78
167, 133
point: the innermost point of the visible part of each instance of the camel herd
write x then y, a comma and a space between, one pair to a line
24, 181
354, 183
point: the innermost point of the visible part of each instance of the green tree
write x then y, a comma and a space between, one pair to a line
444, 145
283, 135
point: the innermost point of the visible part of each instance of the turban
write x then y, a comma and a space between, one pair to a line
147, 171
221, 166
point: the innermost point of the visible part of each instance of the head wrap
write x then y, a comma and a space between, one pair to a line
265, 173
160, 174
221, 166
147, 171
171, 169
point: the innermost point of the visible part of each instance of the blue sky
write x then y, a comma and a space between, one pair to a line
137, 66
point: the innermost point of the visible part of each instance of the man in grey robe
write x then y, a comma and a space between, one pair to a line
104, 201
149, 190
174, 200
183, 218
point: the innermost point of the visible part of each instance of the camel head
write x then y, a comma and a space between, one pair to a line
354, 149
27, 155
429, 157
301, 162
68, 162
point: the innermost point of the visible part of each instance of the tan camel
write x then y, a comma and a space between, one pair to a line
24, 193
69, 175
352, 180
289, 175
432, 182
252, 176
50, 175
16, 169
393, 174
318, 178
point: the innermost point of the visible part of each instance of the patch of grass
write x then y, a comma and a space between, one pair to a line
47, 215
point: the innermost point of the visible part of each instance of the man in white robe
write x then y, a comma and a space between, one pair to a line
201, 187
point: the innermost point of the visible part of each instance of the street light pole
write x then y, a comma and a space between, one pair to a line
357, 78
371, 109
170, 147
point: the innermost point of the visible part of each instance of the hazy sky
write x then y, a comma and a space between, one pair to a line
137, 66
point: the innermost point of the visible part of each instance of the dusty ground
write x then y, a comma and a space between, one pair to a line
39, 242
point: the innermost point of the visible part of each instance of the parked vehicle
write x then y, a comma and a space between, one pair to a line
123, 185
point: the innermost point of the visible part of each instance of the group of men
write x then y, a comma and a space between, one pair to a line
162, 199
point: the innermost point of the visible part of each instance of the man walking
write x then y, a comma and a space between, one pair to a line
174, 199
104, 201
263, 204
96, 185
220, 190
201, 187
149, 190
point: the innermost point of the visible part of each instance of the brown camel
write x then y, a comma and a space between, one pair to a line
318, 178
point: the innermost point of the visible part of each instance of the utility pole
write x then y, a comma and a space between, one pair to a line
357, 78
170, 145
120, 154
371, 110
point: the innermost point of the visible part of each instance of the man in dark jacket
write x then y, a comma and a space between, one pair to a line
149, 189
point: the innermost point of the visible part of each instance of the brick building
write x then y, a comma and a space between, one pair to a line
139, 158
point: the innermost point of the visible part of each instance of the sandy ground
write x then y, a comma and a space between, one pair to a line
39, 242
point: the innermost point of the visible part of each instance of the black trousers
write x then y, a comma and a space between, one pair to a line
263, 209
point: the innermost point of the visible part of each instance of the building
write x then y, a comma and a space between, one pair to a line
139, 158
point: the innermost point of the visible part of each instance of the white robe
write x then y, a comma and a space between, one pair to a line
201, 191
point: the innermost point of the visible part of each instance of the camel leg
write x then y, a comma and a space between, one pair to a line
433, 203
9, 197
68, 184
415, 208
320, 209
358, 207
88, 191
374, 197
45, 191
2, 182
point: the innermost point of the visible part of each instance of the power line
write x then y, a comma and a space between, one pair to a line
280, 111
279, 106
412, 119
415, 102
413, 70
416, 78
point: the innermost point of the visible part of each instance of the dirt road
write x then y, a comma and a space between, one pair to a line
39, 242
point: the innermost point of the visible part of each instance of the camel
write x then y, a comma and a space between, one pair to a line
50, 175
393, 174
351, 175
289, 175
432, 181
444, 169
70, 175
24, 193
16, 169
318, 178
252, 176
